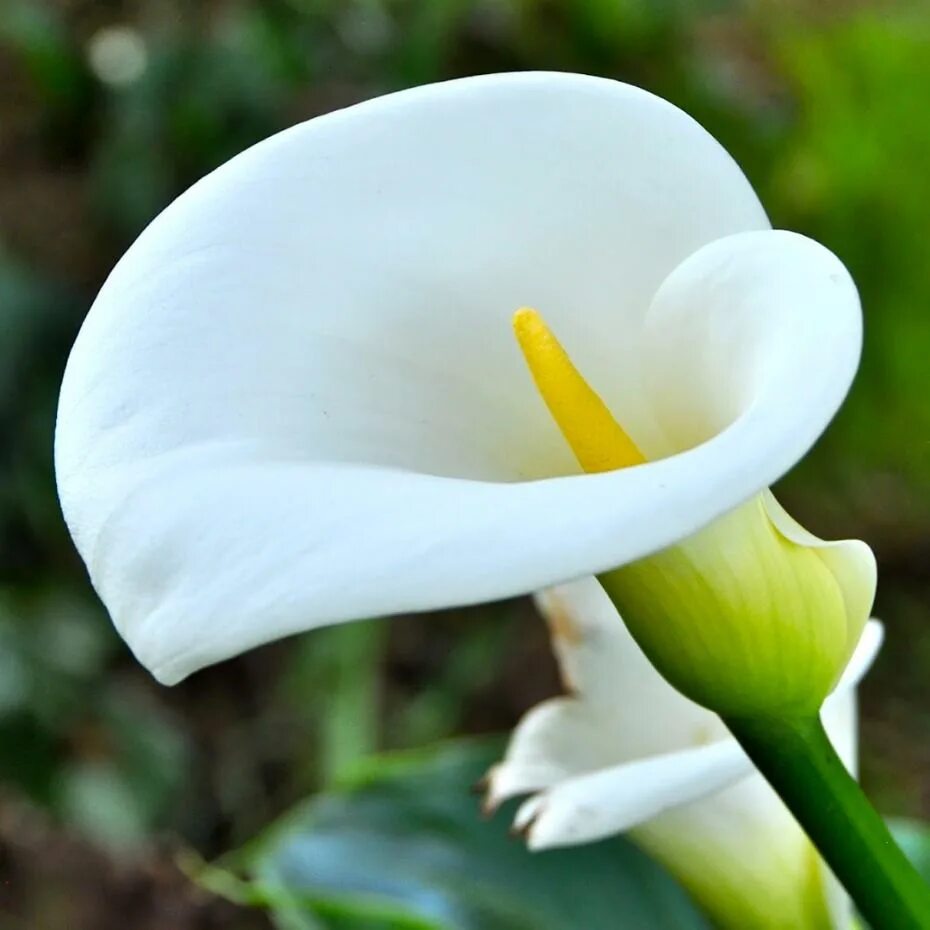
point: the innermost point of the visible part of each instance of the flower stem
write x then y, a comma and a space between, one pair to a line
798, 760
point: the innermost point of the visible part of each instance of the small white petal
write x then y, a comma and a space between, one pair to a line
527, 812
594, 806
590, 768
584, 808
702, 811
557, 739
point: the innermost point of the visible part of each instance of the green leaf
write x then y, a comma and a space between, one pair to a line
402, 846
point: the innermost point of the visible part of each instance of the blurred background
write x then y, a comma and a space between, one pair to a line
109, 109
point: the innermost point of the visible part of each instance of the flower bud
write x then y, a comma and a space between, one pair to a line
751, 616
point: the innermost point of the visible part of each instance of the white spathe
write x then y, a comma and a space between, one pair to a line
296, 400
625, 751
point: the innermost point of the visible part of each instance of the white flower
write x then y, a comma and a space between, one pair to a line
295, 401
625, 751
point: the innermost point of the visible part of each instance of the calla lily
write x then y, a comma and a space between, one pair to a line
625, 751
295, 401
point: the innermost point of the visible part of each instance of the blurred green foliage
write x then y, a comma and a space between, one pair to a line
398, 846
109, 108
97, 752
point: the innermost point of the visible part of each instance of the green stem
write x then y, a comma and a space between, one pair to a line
798, 760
